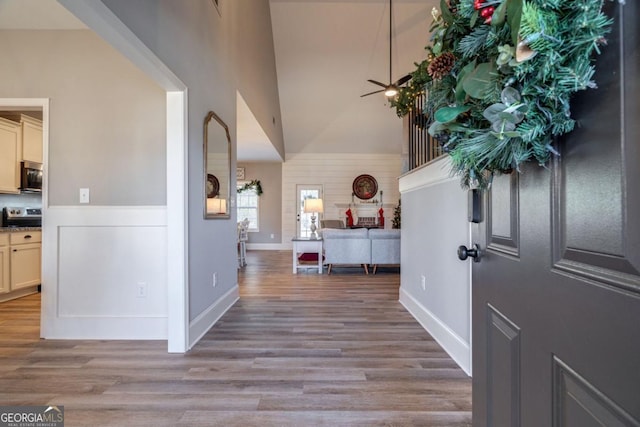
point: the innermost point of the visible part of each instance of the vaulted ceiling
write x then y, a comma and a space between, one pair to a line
325, 52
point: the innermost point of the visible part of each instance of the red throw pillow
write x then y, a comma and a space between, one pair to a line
309, 256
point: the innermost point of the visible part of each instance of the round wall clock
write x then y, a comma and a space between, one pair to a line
365, 187
213, 186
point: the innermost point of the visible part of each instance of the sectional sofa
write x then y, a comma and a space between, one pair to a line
362, 247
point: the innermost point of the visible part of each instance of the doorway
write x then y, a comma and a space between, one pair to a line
22, 265
303, 219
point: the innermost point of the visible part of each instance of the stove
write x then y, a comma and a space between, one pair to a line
14, 216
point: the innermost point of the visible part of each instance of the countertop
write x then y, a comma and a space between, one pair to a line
16, 229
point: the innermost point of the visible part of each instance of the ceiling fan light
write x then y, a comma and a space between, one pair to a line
390, 91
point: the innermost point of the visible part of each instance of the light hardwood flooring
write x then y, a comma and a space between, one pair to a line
296, 350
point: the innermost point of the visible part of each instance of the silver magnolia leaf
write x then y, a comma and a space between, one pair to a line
510, 96
492, 112
502, 126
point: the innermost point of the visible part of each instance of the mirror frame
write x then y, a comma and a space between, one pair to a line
205, 143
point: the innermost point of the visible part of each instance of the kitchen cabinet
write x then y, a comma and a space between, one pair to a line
10, 153
5, 259
25, 259
31, 139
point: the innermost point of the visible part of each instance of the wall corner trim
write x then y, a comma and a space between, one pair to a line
199, 326
452, 343
433, 173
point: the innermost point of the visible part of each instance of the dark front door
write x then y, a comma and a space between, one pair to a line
556, 296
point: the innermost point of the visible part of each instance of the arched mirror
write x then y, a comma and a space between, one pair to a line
217, 168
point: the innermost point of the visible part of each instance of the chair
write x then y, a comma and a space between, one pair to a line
332, 223
243, 227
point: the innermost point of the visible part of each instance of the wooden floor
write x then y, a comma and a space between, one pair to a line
303, 350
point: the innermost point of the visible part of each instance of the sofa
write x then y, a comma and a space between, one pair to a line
385, 247
346, 246
360, 246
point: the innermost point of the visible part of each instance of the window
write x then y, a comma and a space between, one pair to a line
248, 206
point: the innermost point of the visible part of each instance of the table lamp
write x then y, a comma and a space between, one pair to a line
217, 206
313, 206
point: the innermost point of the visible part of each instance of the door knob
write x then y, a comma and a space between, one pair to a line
464, 253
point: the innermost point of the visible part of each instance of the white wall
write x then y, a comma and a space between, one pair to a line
256, 66
204, 50
107, 117
104, 123
270, 209
434, 224
335, 172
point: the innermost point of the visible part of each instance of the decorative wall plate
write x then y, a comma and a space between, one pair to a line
365, 187
213, 186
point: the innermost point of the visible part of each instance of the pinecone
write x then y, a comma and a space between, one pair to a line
441, 65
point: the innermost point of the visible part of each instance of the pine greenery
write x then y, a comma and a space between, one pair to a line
508, 94
255, 185
397, 216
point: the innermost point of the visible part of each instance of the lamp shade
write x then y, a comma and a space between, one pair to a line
217, 206
313, 206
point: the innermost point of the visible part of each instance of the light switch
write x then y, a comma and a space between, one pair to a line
84, 195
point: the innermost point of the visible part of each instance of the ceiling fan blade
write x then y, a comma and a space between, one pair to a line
378, 83
403, 80
371, 93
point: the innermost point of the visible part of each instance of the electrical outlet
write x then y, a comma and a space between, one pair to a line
423, 281
84, 195
141, 290
273, 236
214, 280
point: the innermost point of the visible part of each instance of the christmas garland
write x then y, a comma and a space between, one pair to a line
255, 184
499, 75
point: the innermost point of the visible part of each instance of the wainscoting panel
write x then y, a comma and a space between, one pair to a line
112, 271
104, 273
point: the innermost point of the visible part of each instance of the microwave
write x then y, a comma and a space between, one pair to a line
30, 177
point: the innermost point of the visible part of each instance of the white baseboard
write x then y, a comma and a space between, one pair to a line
201, 324
108, 328
452, 343
19, 293
268, 246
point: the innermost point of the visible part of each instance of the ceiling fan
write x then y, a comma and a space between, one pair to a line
390, 89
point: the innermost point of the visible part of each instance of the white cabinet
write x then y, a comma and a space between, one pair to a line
25, 259
5, 259
10, 146
31, 139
